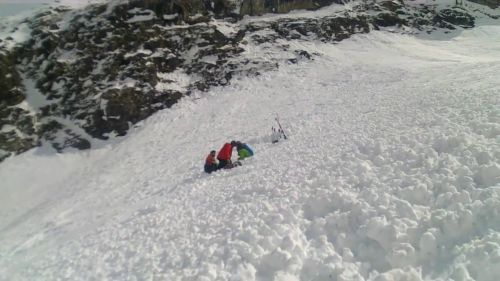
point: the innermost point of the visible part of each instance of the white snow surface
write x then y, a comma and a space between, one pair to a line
390, 172
13, 15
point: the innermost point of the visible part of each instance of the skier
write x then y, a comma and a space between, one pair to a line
244, 150
211, 163
224, 155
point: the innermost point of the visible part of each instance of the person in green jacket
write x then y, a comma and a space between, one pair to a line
244, 151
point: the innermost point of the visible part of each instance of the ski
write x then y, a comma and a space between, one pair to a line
280, 128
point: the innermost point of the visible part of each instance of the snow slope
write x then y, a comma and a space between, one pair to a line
13, 15
391, 172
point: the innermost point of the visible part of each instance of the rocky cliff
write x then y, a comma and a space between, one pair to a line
93, 73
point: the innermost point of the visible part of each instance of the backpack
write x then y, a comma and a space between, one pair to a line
250, 151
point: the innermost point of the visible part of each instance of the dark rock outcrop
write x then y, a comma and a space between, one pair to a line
11, 92
448, 18
493, 4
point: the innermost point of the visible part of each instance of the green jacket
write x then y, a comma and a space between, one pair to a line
243, 153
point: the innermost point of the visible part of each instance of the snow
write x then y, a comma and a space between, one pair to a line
177, 80
141, 15
170, 17
126, 83
391, 172
323, 12
34, 99
140, 51
78, 4
16, 8
225, 28
14, 13
13, 28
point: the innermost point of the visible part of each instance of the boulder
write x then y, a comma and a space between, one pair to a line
455, 16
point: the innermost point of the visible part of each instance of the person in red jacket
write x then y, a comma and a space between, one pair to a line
224, 155
211, 163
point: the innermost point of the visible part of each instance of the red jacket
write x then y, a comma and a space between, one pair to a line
225, 152
210, 160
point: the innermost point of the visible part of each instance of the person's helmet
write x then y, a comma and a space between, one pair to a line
212, 152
